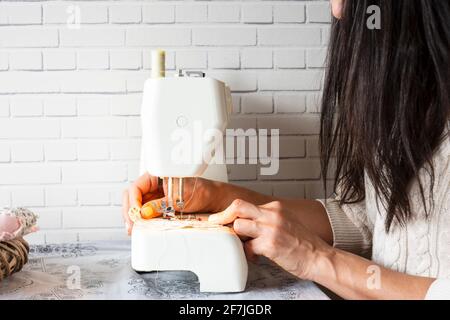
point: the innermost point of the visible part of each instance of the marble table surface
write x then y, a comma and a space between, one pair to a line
101, 270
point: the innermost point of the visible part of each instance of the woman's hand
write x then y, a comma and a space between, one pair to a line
275, 232
200, 195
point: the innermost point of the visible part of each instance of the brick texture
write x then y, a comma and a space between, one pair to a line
71, 78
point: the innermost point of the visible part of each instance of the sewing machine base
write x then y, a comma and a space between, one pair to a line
214, 253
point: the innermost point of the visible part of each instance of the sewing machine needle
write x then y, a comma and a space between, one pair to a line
180, 201
170, 209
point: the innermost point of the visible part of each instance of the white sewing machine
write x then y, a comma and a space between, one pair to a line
182, 117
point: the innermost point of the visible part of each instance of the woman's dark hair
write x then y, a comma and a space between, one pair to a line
386, 100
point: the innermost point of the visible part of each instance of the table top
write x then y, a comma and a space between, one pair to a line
102, 270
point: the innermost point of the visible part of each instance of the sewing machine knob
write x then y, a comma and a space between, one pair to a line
182, 121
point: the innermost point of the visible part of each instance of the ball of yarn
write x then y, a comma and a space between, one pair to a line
13, 256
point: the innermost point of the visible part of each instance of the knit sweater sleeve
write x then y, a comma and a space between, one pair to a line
352, 230
440, 288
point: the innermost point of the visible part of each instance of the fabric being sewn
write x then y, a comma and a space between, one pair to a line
174, 224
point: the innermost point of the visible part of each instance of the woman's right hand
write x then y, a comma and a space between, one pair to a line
200, 195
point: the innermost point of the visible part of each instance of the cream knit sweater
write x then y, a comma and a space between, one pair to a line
421, 248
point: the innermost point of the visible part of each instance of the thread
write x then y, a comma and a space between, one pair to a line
158, 63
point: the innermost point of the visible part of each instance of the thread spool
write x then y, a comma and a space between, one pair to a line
158, 63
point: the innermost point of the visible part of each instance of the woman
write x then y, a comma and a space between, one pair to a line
385, 120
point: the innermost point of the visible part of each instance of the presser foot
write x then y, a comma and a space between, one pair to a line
168, 212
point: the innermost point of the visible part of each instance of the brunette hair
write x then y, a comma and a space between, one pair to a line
386, 100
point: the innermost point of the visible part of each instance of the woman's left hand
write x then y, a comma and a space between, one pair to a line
275, 232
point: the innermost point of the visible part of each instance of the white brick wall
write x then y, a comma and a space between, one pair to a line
70, 96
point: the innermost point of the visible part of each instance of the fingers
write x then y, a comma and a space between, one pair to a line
150, 209
125, 208
337, 8
150, 196
249, 252
143, 185
246, 228
133, 197
238, 209
253, 248
274, 205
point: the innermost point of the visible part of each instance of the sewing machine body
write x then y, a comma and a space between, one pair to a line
215, 255
182, 105
179, 118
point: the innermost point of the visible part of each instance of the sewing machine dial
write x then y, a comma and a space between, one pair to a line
182, 121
